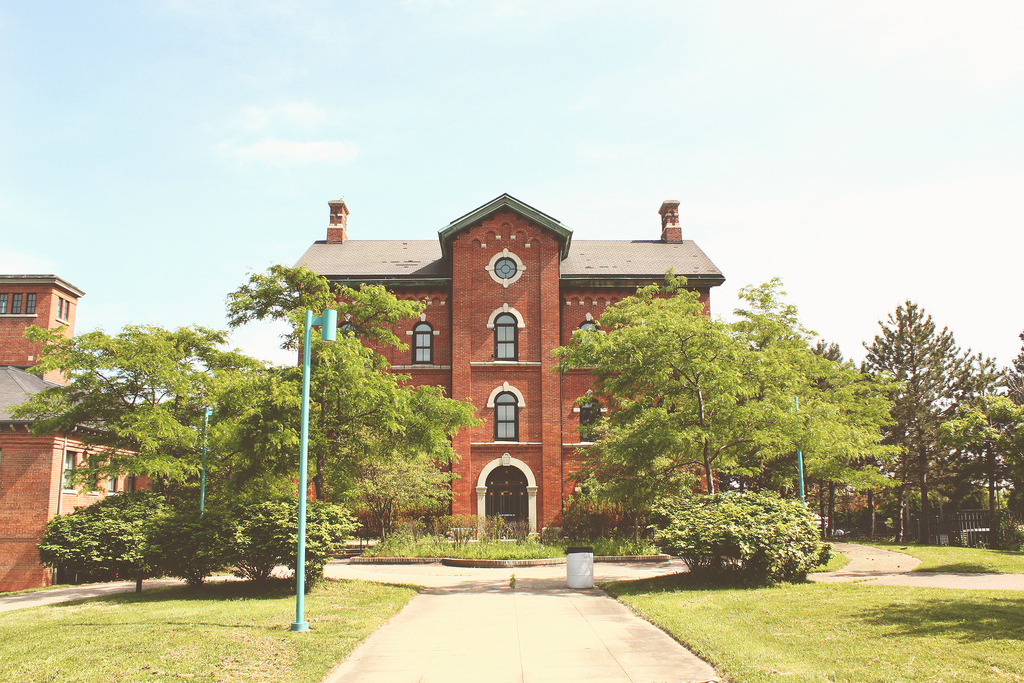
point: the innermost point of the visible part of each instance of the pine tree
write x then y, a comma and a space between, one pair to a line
1015, 377
934, 375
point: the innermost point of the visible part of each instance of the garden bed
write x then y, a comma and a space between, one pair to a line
482, 563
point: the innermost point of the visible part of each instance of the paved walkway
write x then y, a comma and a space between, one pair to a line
878, 567
469, 625
89, 590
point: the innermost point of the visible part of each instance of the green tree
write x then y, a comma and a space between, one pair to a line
991, 432
364, 419
933, 375
686, 391
843, 411
408, 469
138, 397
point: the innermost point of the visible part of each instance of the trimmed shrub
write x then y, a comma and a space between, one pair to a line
755, 539
264, 535
191, 547
1009, 531
103, 541
267, 534
328, 526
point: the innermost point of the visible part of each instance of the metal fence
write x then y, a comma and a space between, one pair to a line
964, 528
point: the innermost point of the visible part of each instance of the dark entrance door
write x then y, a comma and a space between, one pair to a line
506, 494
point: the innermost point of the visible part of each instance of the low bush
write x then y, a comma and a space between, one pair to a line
328, 526
750, 538
617, 546
260, 538
407, 545
1009, 531
190, 546
104, 541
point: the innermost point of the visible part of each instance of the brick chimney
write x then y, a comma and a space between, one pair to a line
337, 229
670, 230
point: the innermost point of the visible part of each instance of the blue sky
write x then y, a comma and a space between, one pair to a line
154, 152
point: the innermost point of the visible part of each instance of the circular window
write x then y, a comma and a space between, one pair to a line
505, 268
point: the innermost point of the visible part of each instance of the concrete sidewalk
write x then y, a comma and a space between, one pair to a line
83, 592
877, 567
469, 625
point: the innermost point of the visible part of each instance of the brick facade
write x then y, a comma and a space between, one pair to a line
32, 467
557, 285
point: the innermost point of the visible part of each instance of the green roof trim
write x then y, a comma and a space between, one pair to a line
505, 201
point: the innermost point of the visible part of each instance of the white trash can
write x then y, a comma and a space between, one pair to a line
579, 567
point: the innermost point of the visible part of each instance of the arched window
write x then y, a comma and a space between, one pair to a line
422, 343
589, 325
506, 337
590, 413
506, 417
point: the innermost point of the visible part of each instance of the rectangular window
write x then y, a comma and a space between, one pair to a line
3, 303
62, 305
69, 466
16, 303
30, 303
112, 485
506, 342
94, 480
129, 483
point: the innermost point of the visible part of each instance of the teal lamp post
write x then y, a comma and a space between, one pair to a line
800, 458
207, 412
328, 323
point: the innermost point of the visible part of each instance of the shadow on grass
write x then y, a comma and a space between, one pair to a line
959, 568
271, 589
683, 581
966, 619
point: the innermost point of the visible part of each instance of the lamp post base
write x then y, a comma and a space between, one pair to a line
300, 626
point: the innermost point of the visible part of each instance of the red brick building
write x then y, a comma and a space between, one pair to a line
33, 469
504, 285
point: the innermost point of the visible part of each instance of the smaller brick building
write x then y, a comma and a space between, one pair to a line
34, 469
504, 285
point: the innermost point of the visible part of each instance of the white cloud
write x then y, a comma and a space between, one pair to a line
301, 114
275, 151
25, 264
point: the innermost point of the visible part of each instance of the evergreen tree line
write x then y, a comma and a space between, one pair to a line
921, 425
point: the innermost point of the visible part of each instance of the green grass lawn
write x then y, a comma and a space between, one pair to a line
400, 545
839, 632
233, 631
949, 559
835, 563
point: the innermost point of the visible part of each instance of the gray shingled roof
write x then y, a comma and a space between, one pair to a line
380, 258
16, 386
388, 259
636, 258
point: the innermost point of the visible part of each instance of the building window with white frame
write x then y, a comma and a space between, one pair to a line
506, 337
590, 414
69, 468
506, 417
423, 343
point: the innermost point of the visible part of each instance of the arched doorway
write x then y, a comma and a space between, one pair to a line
505, 462
506, 494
